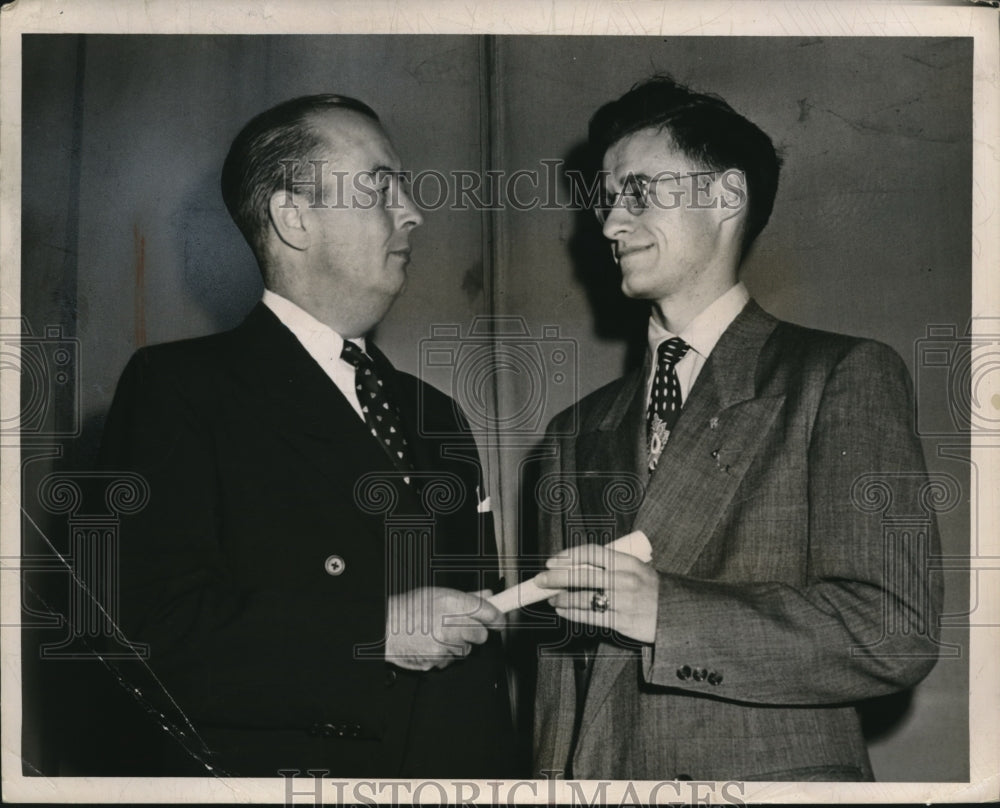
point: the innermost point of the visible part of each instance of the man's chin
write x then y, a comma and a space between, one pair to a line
635, 289
401, 281
636, 275
395, 275
393, 293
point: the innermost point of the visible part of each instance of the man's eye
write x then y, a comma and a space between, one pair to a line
634, 189
384, 182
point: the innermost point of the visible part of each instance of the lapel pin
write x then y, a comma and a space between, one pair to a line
718, 463
713, 424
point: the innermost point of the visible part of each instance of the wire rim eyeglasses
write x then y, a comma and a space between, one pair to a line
634, 194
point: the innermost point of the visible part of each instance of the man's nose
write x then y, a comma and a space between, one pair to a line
619, 221
408, 214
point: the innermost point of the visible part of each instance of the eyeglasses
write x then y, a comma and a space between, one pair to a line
634, 194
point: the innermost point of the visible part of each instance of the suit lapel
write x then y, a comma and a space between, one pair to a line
708, 452
295, 398
711, 447
616, 441
615, 446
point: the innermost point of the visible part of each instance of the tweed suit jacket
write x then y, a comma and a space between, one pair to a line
784, 600
259, 569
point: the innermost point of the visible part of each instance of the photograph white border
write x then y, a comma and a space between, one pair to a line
519, 17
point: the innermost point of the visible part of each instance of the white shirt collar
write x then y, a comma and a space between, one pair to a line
306, 328
704, 331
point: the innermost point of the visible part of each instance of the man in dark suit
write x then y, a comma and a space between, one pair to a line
764, 455
286, 572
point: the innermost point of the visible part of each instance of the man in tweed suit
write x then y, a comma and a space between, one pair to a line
773, 603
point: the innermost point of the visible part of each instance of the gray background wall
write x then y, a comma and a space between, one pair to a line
126, 240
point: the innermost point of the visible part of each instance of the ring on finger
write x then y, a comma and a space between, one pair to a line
600, 602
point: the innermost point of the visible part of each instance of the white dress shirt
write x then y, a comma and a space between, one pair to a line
702, 333
321, 342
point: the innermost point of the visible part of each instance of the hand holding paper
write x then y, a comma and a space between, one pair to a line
432, 627
633, 544
611, 590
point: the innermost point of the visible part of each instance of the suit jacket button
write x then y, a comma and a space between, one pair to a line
334, 565
314, 730
714, 678
327, 730
390, 677
684, 673
699, 674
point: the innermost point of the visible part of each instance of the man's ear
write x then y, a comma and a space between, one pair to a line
732, 193
287, 216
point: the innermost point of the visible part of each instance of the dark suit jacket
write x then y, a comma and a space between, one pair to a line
787, 519
259, 569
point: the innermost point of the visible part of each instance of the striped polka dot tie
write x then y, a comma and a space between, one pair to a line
380, 413
665, 397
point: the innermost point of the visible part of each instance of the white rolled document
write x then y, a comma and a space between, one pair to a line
527, 592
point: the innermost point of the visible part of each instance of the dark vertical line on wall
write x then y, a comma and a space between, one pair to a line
139, 299
48, 299
490, 120
71, 258
491, 140
67, 296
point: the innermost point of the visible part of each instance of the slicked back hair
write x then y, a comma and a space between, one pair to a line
254, 171
703, 127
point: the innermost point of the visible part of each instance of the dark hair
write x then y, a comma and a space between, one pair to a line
253, 169
705, 128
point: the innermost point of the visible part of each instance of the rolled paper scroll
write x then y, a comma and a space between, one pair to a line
527, 592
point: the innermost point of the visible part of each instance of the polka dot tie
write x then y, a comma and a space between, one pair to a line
664, 397
380, 414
